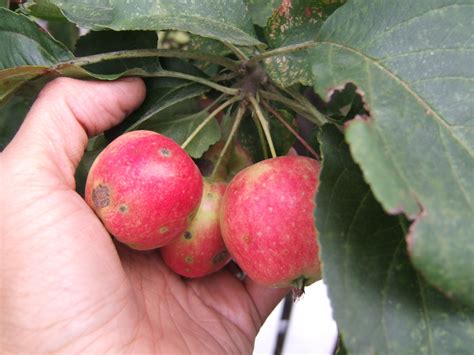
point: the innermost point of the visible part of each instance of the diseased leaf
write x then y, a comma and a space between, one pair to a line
380, 303
220, 19
261, 10
295, 22
412, 62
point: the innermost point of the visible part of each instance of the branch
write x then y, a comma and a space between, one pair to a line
143, 53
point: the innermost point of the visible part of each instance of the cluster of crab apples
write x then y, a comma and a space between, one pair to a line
150, 194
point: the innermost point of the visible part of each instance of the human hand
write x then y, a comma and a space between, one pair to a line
65, 286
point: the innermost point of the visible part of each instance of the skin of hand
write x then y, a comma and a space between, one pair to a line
65, 286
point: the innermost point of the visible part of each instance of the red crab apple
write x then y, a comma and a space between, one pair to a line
200, 250
145, 188
267, 221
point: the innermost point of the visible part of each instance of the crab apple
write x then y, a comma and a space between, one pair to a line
200, 250
145, 188
267, 221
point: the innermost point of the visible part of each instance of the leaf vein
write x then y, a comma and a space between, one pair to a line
407, 21
417, 97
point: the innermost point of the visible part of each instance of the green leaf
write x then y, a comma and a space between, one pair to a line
96, 42
249, 139
261, 10
380, 303
344, 105
179, 127
5, 3
23, 42
65, 32
95, 146
282, 138
220, 19
161, 100
13, 78
416, 149
294, 22
43, 9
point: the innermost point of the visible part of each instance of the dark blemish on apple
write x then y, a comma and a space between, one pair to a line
163, 229
123, 208
101, 196
220, 257
210, 195
187, 235
165, 152
188, 259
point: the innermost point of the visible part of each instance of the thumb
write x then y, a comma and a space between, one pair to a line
54, 135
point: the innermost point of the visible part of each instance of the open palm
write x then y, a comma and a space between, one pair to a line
66, 287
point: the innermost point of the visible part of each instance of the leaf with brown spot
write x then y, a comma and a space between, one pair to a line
292, 23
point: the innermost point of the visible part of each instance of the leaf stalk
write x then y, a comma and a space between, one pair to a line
238, 118
197, 79
291, 129
207, 120
264, 123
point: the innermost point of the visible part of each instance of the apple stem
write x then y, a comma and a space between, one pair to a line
238, 118
264, 123
291, 129
207, 120
298, 288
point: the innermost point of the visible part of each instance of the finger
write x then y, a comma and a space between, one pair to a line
265, 298
67, 112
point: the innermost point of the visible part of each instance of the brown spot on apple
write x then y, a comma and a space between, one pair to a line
165, 152
101, 196
123, 209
